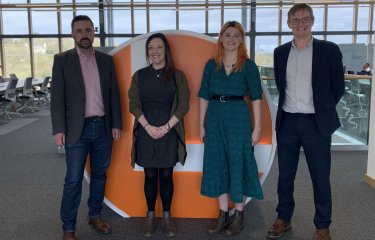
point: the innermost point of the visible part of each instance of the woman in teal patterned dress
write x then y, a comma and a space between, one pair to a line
229, 166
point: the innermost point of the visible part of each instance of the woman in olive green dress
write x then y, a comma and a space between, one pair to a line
229, 166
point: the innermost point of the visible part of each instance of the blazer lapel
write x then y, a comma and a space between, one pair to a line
76, 68
315, 61
101, 70
284, 63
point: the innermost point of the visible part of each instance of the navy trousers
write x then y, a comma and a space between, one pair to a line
94, 140
300, 130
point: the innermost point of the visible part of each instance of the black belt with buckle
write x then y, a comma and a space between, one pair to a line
95, 118
224, 98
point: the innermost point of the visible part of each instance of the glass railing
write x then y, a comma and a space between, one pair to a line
353, 108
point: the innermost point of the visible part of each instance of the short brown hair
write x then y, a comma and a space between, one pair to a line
81, 18
298, 7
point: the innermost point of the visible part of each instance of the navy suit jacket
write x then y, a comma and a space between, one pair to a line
328, 84
68, 94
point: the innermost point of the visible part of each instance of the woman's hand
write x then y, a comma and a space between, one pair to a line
154, 132
202, 133
256, 135
163, 129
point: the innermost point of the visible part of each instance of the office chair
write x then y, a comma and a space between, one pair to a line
9, 99
42, 93
26, 98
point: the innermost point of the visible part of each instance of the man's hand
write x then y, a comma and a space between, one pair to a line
59, 139
116, 134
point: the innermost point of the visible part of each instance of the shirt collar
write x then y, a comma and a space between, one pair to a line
308, 45
83, 55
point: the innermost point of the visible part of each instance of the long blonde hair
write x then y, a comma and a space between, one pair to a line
242, 51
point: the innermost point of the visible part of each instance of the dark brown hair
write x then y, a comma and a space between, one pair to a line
169, 65
81, 18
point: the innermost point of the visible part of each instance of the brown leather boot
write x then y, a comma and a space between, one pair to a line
69, 236
220, 224
278, 228
236, 225
149, 226
99, 225
322, 234
168, 225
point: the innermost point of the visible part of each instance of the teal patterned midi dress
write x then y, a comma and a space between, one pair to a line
229, 164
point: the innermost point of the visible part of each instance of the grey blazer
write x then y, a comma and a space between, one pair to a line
68, 94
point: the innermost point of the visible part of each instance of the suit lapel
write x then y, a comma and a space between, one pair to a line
101, 69
76, 68
315, 61
284, 63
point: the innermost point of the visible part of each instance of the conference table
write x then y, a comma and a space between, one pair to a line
20, 83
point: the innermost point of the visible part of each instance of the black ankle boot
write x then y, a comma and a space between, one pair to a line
168, 225
220, 225
149, 226
236, 225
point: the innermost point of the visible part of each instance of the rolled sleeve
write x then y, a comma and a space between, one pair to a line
204, 89
254, 82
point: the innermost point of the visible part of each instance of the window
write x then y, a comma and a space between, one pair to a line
340, 38
264, 47
363, 18
214, 20
234, 14
67, 43
40, 23
15, 22
267, 19
66, 21
162, 20
121, 21
44, 50
114, 42
17, 57
335, 13
140, 21
192, 20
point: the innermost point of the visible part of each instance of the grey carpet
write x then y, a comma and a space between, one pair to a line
32, 175
15, 124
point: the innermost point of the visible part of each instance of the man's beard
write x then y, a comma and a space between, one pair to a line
84, 43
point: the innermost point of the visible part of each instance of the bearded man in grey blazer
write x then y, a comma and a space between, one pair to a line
86, 118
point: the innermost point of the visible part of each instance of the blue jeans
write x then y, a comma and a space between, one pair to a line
94, 140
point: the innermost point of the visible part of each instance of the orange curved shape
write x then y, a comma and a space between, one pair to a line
124, 190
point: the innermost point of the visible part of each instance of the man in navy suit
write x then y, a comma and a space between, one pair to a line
86, 118
310, 80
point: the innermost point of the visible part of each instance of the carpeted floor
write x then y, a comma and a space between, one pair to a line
32, 175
